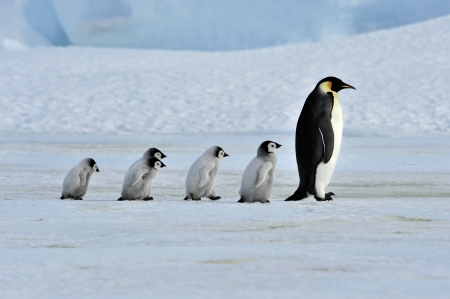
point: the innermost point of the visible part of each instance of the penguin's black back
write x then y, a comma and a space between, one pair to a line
309, 146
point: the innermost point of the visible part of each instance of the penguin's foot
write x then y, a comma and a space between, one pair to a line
121, 199
215, 197
267, 201
148, 198
326, 198
78, 198
187, 198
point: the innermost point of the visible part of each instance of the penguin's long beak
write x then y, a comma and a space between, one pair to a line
225, 155
163, 156
345, 85
278, 145
163, 165
98, 170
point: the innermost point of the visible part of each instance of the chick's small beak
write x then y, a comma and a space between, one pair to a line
163, 156
163, 165
225, 155
279, 145
98, 170
345, 85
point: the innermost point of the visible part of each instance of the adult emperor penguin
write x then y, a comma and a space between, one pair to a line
138, 179
201, 175
76, 182
257, 180
151, 152
318, 139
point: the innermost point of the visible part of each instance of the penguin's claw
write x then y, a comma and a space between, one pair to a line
326, 198
215, 197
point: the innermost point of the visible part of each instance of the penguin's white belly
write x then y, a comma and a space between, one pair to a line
325, 171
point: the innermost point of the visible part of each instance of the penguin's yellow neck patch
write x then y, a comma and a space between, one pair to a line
325, 86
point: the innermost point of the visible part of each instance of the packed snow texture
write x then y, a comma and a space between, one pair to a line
385, 235
204, 24
400, 76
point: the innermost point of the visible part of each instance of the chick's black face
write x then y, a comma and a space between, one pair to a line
269, 146
220, 153
156, 163
93, 164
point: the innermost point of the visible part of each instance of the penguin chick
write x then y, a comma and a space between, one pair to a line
138, 179
257, 180
201, 175
318, 139
151, 152
76, 182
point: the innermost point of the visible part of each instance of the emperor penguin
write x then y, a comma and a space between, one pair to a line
318, 139
201, 175
257, 180
138, 179
151, 152
76, 182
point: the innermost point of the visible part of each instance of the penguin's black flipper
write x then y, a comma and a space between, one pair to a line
326, 129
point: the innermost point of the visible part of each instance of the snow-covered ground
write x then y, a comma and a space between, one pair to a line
386, 234
399, 74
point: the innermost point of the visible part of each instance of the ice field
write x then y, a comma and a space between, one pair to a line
386, 234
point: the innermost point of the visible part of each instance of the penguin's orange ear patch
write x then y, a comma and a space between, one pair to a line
326, 86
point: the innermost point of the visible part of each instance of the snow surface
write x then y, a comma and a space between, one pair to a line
203, 24
400, 76
386, 234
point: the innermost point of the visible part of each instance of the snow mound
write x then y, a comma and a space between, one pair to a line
400, 75
213, 25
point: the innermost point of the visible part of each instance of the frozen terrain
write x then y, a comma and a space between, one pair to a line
399, 74
213, 25
386, 234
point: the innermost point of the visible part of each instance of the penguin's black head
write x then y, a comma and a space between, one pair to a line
156, 163
334, 84
268, 147
220, 153
154, 152
93, 164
